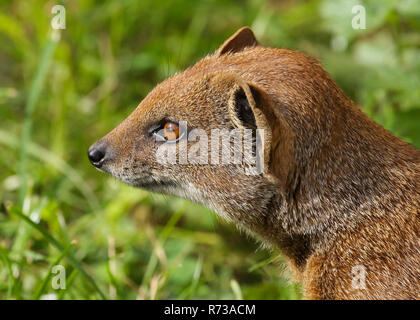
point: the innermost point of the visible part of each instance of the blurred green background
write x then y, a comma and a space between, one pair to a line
61, 92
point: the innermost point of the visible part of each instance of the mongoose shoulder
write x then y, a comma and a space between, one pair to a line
336, 192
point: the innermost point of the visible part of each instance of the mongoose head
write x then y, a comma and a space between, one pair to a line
280, 97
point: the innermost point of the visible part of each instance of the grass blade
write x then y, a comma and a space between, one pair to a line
15, 210
236, 289
52, 159
12, 279
69, 281
34, 93
56, 262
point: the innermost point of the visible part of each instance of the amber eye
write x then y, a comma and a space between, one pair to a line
168, 131
171, 131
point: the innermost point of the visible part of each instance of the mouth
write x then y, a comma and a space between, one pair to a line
151, 184
144, 181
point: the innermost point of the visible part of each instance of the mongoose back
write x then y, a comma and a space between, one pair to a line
337, 193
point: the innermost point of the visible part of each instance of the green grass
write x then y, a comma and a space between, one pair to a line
58, 97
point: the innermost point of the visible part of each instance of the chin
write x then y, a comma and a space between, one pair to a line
154, 185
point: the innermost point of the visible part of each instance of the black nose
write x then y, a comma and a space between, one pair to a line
96, 154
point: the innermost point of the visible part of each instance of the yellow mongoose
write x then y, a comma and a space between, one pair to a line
336, 192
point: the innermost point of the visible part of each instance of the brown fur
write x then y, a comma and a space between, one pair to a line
337, 191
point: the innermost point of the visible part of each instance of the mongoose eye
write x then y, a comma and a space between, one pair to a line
168, 131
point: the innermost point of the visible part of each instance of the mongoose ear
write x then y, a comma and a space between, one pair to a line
242, 38
250, 107
246, 106
243, 111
